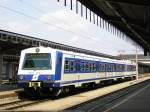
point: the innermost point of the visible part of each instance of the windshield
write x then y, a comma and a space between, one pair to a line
37, 61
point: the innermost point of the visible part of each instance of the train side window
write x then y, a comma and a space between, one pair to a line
106, 67
93, 67
115, 68
72, 66
82, 66
66, 65
134, 68
120, 68
123, 68
102, 67
87, 67
128, 67
90, 66
109, 67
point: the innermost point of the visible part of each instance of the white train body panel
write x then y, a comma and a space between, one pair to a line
85, 68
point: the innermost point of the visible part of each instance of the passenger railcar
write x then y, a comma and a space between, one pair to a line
53, 69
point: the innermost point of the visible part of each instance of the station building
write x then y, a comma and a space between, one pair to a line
143, 62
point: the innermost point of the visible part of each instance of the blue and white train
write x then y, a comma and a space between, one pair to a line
47, 68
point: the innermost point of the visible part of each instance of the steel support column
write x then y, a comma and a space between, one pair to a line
1, 64
145, 52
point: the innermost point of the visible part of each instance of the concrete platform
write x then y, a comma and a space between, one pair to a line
64, 103
8, 87
8, 90
137, 102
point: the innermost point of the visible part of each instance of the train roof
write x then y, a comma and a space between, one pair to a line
86, 56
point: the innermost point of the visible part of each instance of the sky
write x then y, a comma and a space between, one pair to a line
51, 20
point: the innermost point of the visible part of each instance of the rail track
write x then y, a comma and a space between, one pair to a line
102, 103
18, 103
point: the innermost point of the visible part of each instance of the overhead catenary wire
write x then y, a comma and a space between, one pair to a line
51, 24
47, 23
42, 11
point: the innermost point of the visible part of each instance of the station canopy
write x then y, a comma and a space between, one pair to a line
130, 16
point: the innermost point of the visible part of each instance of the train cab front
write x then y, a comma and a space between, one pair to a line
36, 68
